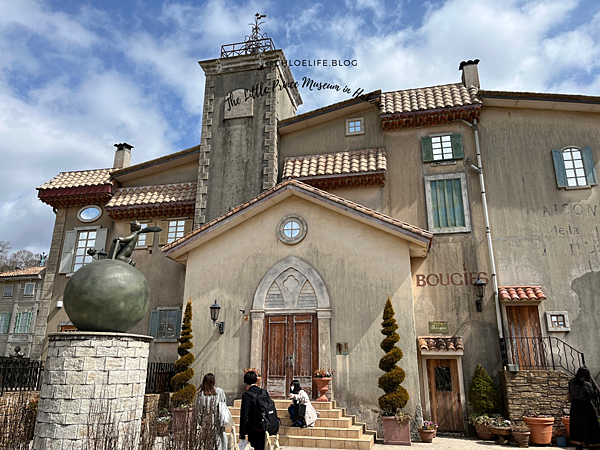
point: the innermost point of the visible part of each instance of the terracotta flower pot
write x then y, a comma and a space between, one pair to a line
395, 433
322, 387
567, 423
435, 431
426, 435
502, 433
522, 438
484, 432
541, 429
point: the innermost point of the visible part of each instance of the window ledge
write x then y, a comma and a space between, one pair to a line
165, 340
573, 188
451, 230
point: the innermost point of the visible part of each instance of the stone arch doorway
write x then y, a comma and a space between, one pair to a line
291, 325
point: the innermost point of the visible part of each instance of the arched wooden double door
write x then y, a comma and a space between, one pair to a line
290, 347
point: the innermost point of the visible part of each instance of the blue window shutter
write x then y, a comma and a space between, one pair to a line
28, 322
101, 239
5, 323
18, 323
178, 329
447, 204
154, 324
559, 168
427, 149
66, 259
457, 146
588, 165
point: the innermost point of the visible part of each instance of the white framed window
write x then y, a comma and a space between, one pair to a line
176, 230
89, 213
165, 324
4, 322
355, 126
558, 321
143, 237
442, 147
292, 229
8, 290
447, 203
574, 167
85, 241
29, 289
75, 245
23, 322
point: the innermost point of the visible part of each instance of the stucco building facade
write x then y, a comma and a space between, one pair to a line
299, 226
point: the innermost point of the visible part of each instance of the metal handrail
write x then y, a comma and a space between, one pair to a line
20, 375
247, 47
541, 353
158, 377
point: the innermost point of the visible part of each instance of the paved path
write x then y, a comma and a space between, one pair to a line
444, 443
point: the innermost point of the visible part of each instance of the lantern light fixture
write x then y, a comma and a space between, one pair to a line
480, 291
214, 316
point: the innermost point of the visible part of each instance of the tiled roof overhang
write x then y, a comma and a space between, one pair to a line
175, 209
29, 273
440, 343
429, 118
521, 294
78, 196
356, 168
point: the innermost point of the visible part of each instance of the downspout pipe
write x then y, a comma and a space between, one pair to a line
488, 232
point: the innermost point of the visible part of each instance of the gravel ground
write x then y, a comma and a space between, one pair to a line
444, 443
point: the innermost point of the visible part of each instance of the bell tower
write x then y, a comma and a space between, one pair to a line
247, 91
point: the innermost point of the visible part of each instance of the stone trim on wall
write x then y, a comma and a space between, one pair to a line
38, 347
204, 156
270, 168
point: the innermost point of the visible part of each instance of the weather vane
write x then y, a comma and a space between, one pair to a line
252, 41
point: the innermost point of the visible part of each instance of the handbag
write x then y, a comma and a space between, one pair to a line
225, 415
232, 439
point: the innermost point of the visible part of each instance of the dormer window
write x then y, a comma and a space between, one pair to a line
355, 126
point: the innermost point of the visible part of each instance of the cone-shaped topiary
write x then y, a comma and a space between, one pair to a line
484, 396
396, 397
184, 391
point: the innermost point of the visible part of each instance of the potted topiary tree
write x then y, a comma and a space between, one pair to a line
396, 424
484, 398
183, 397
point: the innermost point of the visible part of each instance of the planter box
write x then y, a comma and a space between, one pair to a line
395, 433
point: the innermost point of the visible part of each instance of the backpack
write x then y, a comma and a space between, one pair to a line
263, 413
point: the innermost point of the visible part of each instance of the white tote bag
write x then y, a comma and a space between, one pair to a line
225, 415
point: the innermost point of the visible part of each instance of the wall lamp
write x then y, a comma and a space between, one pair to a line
214, 315
480, 291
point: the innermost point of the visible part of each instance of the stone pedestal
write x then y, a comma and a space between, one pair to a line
93, 388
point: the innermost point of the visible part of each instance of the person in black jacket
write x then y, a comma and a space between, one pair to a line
248, 425
584, 423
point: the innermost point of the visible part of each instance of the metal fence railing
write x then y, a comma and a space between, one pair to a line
20, 375
541, 353
158, 377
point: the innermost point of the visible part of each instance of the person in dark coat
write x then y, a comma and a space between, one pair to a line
248, 427
584, 423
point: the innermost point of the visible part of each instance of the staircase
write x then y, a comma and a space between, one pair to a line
333, 429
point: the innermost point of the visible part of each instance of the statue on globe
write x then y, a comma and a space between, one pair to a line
123, 247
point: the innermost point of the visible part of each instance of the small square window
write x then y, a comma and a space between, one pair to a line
355, 126
142, 237
4, 321
23, 322
165, 324
29, 289
442, 147
558, 321
85, 241
8, 290
176, 230
574, 167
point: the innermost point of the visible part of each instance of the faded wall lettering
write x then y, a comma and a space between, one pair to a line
564, 209
449, 278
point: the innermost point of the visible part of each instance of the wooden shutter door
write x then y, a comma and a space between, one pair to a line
304, 350
277, 356
524, 332
444, 394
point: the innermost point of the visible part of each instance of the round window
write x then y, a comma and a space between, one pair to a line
291, 230
89, 213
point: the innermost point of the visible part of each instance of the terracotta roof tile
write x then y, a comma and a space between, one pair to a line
35, 270
350, 162
82, 178
295, 184
436, 343
430, 98
150, 195
521, 293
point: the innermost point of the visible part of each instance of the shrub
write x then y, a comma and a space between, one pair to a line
484, 396
184, 391
395, 397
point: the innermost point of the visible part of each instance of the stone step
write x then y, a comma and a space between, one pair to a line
353, 432
283, 412
366, 442
284, 403
342, 422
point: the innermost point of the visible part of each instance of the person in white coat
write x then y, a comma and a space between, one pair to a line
211, 408
300, 397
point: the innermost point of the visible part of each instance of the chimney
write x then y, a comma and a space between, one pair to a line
470, 75
122, 156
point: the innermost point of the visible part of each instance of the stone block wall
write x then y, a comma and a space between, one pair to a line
526, 391
95, 379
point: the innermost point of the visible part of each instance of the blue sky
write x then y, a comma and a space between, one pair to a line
77, 77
